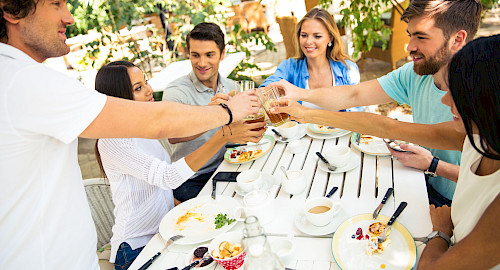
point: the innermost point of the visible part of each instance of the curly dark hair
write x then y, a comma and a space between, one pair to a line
17, 8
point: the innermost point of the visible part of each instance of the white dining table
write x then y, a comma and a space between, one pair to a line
180, 68
360, 191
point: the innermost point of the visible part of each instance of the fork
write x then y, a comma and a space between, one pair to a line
167, 244
383, 235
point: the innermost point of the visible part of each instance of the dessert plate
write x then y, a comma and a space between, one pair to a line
370, 145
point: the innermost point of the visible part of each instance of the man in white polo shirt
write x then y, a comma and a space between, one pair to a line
45, 222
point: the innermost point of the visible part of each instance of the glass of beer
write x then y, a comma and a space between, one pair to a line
268, 97
242, 86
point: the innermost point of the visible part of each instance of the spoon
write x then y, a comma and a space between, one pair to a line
283, 138
330, 167
284, 171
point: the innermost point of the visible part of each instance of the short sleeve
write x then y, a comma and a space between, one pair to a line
51, 103
396, 84
174, 93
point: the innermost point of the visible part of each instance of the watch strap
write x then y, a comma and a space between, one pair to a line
443, 235
432, 168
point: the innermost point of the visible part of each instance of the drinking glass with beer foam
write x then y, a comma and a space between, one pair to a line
271, 96
319, 211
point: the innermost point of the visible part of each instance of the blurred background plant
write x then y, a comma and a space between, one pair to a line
164, 42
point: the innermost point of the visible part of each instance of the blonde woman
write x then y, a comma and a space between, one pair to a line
321, 60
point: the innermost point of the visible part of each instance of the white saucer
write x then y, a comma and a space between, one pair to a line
301, 133
352, 164
306, 227
267, 184
327, 136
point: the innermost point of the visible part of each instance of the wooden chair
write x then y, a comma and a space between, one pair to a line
253, 12
287, 28
310, 4
397, 43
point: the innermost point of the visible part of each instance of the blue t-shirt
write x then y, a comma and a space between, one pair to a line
295, 72
406, 87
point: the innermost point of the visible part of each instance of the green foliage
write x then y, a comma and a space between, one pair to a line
364, 18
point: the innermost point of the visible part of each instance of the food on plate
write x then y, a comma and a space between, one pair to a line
373, 231
324, 128
198, 255
189, 215
376, 228
366, 139
242, 155
221, 220
227, 250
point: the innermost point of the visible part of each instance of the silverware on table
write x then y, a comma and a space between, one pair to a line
284, 171
236, 145
384, 200
383, 235
332, 191
167, 244
283, 138
206, 257
214, 186
330, 167
358, 138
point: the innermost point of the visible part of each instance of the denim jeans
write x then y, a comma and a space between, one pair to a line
191, 187
435, 197
125, 256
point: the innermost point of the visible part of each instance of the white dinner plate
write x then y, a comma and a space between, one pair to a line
265, 149
306, 227
267, 184
322, 129
350, 253
370, 145
301, 133
197, 231
327, 136
352, 164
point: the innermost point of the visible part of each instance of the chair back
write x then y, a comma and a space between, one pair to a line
310, 4
287, 28
101, 207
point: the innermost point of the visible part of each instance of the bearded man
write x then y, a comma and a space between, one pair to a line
437, 29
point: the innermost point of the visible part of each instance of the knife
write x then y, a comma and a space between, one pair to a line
236, 145
331, 192
214, 185
384, 200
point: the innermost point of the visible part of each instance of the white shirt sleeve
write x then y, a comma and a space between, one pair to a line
124, 156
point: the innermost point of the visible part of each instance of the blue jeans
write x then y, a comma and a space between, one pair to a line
125, 256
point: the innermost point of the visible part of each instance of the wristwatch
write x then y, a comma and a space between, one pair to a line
432, 168
435, 234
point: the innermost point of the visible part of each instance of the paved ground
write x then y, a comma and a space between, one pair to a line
268, 62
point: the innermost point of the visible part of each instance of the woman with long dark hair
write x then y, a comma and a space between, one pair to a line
140, 172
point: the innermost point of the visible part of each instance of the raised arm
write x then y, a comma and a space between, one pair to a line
338, 97
122, 118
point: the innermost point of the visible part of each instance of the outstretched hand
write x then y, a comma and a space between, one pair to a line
296, 111
243, 104
243, 132
292, 92
219, 98
416, 157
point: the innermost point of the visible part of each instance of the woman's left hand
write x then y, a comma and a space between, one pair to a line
243, 132
293, 108
441, 219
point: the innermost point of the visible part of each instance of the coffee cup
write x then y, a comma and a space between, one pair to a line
337, 155
319, 211
284, 248
257, 203
289, 129
294, 182
296, 147
249, 180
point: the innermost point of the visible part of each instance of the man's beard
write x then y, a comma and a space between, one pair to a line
432, 64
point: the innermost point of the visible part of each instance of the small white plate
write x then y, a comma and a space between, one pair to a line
190, 256
322, 129
267, 184
306, 227
301, 133
327, 136
352, 164
371, 145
